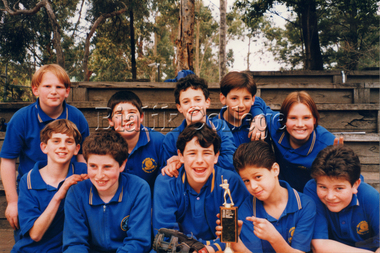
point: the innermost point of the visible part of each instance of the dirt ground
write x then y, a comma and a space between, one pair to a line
6, 240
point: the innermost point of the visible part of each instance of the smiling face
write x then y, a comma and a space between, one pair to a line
60, 148
299, 124
238, 102
126, 119
51, 92
336, 193
198, 162
260, 182
104, 172
193, 105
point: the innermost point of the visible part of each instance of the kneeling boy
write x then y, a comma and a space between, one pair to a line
347, 208
191, 202
43, 189
111, 211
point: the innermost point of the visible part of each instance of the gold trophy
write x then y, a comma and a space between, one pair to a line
228, 219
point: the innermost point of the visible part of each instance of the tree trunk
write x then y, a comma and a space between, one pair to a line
313, 58
184, 42
98, 21
222, 39
133, 49
197, 49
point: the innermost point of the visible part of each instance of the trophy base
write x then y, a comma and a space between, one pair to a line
229, 222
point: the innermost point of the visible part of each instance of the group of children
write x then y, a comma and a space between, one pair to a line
137, 180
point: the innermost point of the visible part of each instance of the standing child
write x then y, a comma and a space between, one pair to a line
347, 208
192, 100
190, 202
144, 144
297, 137
110, 212
278, 218
43, 189
237, 94
51, 85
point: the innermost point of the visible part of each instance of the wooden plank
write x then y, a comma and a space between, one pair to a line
319, 96
374, 96
368, 152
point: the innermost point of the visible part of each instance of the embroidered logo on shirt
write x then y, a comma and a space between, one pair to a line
149, 165
124, 223
290, 234
362, 228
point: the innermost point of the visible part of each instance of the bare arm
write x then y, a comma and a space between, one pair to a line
8, 176
43, 222
327, 246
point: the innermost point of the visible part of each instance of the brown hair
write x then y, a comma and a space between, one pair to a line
106, 142
255, 154
237, 80
298, 97
337, 161
57, 70
191, 81
124, 96
61, 126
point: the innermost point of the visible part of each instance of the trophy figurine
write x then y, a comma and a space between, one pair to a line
228, 218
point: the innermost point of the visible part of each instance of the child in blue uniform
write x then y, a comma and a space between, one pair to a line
192, 100
237, 94
297, 137
347, 208
190, 202
144, 144
110, 212
43, 189
52, 85
276, 218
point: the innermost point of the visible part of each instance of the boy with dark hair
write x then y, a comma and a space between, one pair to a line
190, 202
51, 85
192, 100
144, 144
43, 189
276, 218
347, 208
237, 94
110, 212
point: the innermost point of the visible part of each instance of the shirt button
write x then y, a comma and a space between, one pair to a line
197, 198
343, 222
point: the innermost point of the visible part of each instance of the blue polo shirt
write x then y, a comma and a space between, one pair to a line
34, 197
121, 225
227, 148
145, 159
241, 132
357, 225
177, 206
295, 223
22, 138
295, 164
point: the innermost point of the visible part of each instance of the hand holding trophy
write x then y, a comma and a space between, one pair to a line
228, 218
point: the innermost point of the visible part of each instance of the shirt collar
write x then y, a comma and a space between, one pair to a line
43, 117
144, 138
35, 181
305, 149
245, 122
94, 198
210, 181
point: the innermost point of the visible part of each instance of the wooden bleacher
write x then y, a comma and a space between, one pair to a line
347, 104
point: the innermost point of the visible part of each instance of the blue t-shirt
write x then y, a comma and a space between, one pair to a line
177, 206
35, 196
227, 147
145, 159
295, 224
357, 225
22, 138
121, 225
